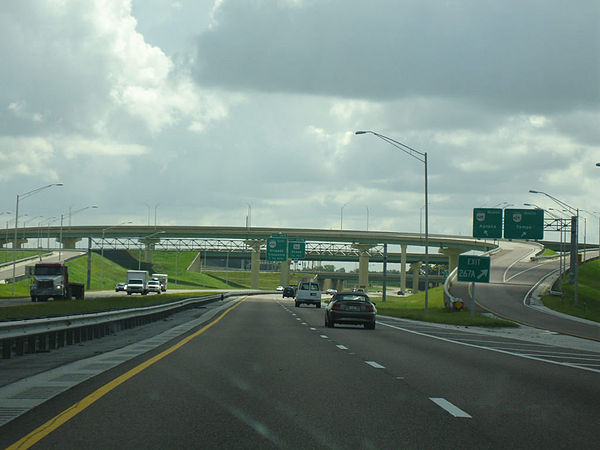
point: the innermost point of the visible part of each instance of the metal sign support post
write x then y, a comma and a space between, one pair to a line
472, 299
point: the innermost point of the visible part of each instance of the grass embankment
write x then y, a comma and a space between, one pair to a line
7, 256
69, 307
413, 307
588, 294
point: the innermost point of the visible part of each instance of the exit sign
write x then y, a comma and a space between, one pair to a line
474, 269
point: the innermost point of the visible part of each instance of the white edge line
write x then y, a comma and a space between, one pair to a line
493, 349
449, 407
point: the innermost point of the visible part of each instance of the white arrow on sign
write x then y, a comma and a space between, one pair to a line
483, 274
485, 232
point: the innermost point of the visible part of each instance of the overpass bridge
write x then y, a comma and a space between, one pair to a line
322, 245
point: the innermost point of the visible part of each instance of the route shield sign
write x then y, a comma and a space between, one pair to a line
277, 248
487, 223
524, 224
296, 248
475, 269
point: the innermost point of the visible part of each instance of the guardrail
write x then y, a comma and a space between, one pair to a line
21, 337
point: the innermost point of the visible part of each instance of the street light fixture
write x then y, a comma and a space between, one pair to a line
422, 157
22, 197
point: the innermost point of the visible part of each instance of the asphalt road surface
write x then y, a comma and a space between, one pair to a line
269, 375
512, 277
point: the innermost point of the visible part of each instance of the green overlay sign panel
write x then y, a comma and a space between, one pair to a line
277, 248
296, 248
475, 269
487, 223
524, 224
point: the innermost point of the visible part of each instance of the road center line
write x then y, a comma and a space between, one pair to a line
44, 430
449, 407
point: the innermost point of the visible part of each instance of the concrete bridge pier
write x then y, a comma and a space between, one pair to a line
284, 273
255, 261
403, 268
339, 285
452, 254
415, 268
68, 242
363, 264
149, 245
19, 243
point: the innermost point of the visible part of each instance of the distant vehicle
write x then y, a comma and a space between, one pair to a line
289, 291
400, 293
154, 286
121, 287
279, 288
137, 282
51, 280
308, 292
331, 291
163, 278
353, 308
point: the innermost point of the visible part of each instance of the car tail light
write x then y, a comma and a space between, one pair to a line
336, 307
369, 308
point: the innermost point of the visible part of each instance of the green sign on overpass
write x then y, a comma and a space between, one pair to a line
277, 248
296, 248
524, 224
487, 223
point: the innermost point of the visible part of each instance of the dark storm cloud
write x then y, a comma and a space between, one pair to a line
533, 56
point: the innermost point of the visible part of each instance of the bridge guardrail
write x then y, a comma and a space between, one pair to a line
40, 335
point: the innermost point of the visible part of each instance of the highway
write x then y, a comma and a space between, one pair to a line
512, 277
268, 375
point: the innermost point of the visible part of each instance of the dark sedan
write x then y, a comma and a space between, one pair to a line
353, 308
289, 292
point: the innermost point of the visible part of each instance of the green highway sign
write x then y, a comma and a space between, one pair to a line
296, 248
487, 223
277, 248
524, 224
475, 269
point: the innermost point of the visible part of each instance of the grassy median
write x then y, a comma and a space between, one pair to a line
413, 307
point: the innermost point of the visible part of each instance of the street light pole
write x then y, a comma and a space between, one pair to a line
574, 241
422, 157
22, 197
342, 216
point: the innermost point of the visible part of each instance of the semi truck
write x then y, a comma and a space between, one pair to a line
137, 282
51, 280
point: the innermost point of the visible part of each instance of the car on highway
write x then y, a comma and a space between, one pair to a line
121, 287
279, 288
331, 291
154, 286
351, 308
289, 291
308, 292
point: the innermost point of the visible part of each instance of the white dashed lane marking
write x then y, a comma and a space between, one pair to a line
374, 364
342, 347
449, 407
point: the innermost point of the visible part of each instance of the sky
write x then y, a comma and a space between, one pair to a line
202, 112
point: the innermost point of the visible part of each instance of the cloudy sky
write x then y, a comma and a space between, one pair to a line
199, 110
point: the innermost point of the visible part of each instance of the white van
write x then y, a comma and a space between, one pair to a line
308, 292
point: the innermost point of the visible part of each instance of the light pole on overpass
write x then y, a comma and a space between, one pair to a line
19, 198
422, 157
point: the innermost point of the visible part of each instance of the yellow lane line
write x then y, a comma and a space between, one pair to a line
59, 420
